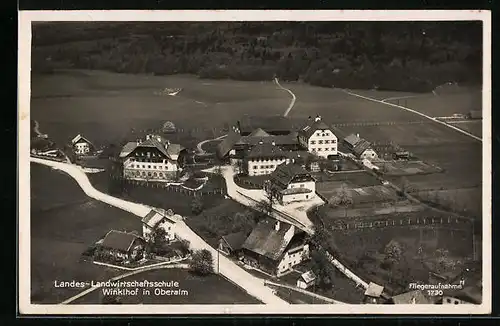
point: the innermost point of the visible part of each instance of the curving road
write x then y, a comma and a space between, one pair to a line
200, 144
416, 112
253, 285
294, 98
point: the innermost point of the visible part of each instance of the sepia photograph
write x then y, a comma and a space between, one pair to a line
279, 162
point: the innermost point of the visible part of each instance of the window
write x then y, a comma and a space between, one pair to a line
327, 141
161, 174
143, 166
320, 141
333, 141
302, 185
319, 149
307, 196
149, 166
149, 174
155, 174
131, 166
313, 142
255, 167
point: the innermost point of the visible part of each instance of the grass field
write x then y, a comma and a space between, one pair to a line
105, 106
211, 289
474, 127
64, 222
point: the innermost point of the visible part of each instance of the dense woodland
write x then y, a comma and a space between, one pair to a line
404, 56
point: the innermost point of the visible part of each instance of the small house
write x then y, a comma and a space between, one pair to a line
290, 182
81, 145
156, 219
123, 245
359, 147
401, 155
412, 297
306, 280
275, 247
318, 138
373, 293
263, 159
231, 244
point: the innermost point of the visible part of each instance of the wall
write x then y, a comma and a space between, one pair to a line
82, 148
263, 166
290, 260
328, 146
163, 170
287, 199
369, 154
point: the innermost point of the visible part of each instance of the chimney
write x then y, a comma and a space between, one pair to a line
274, 143
357, 135
318, 118
277, 226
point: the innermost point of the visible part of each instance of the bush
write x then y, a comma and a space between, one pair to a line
202, 262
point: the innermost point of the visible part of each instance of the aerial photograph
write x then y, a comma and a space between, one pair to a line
256, 163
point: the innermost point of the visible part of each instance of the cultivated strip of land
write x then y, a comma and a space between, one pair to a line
294, 98
416, 112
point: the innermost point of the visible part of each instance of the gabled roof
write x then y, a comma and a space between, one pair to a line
268, 123
374, 290
284, 173
265, 150
352, 140
266, 241
311, 127
154, 217
290, 139
119, 240
225, 146
308, 276
164, 146
259, 132
361, 146
412, 297
235, 240
79, 138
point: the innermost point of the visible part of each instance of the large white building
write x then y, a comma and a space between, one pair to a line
263, 159
291, 183
318, 138
154, 159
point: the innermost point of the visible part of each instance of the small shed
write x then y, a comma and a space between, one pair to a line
373, 293
306, 280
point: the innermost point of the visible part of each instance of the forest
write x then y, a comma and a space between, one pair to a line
400, 56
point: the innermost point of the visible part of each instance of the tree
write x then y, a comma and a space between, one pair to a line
342, 198
322, 268
266, 206
184, 245
202, 262
197, 205
158, 241
393, 252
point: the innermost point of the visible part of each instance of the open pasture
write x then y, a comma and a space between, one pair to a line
406, 167
336, 106
474, 127
64, 223
106, 106
444, 104
466, 201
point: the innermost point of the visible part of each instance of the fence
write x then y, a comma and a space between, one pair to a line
177, 187
457, 222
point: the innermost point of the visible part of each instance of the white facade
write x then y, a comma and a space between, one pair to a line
368, 154
322, 143
165, 224
263, 166
82, 148
311, 185
138, 169
293, 257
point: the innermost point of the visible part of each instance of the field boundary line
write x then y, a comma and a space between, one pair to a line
294, 98
403, 97
416, 112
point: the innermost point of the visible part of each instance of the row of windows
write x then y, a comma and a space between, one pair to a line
325, 149
293, 186
267, 160
138, 166
333, 141
145, 160
148, 174
255, 167
148, 154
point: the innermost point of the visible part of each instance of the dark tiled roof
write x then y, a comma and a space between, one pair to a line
352, 140
235, 240
80, 138
311, 127
284, 173
265, 150
266, 241
158, 142
267, 123
227, 144
290, 139
259, 132
118, 240
360, 147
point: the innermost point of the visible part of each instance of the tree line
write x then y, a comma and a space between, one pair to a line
403, 56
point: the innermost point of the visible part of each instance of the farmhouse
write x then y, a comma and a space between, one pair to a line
290, 182
318, 138
123, 245
306, 280
360, 147
275, 247
263, 159
81, 145
154, 159
231, 244
156, 219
